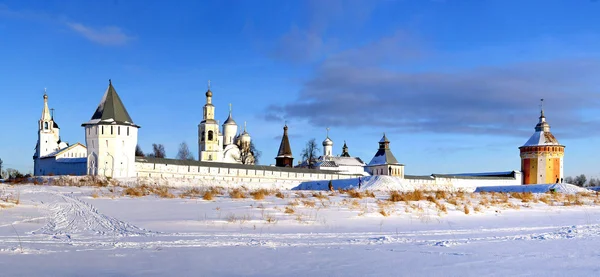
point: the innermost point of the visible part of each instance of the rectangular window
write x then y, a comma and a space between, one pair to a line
111, 130
119, 130
127, 131
102, 131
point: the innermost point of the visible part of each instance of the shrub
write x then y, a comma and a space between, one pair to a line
289, 210
259, 194
279, 195
466, 209
308, 203
237, 194
354, 194
208, 195
163, 192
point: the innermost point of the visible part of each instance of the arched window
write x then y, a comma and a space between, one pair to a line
210, 135
45, 125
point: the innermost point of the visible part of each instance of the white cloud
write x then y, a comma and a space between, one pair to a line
112, 36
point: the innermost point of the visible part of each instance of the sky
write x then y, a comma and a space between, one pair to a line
455, 85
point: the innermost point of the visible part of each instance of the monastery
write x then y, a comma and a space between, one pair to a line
225, 155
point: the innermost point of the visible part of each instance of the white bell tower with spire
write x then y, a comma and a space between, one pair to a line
48, 133
210, 148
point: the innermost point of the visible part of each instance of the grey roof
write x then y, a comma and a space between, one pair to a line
111, 110
384, 154
229, 120
230, 165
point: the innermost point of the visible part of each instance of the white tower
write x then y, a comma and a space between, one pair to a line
327, 146
48, 137
208, 133
229, 130
111, 138
245, 139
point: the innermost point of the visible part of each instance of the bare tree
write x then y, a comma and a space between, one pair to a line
249, 155
569, 180
593, 182
158, 151
1, 162
580, 180
138, 151
184, 152
310, 152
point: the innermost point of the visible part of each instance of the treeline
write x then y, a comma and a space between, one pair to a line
582, 181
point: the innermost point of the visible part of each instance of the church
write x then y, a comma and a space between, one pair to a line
227, 146
52, 155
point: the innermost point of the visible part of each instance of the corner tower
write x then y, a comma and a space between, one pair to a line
208, 132
542, 155
111, 138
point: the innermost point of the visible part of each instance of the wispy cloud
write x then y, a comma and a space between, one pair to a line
350, 91
108, 35
112, 36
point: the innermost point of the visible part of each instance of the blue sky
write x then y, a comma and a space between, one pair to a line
454, 84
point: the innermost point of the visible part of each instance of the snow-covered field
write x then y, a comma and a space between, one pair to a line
88, 231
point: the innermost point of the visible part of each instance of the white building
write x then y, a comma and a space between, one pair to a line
225, 147
343, 164
384, 162
111, 138
53, 156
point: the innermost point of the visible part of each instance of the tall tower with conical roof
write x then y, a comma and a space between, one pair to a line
111, 138
48, 135
208, 132
284, 155
542, 155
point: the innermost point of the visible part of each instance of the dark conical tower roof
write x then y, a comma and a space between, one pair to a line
111, 109
284, 148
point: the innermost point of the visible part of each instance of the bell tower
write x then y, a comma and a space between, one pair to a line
209, 146
48, 136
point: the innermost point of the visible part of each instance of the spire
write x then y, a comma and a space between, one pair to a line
46, 112
345, 150
229, 120
327, 141
111, 109
284, 148
208, 94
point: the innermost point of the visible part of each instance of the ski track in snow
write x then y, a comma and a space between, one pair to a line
70, 216
74, 225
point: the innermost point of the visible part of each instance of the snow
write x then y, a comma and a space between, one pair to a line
539, 138
64, 231
537, 188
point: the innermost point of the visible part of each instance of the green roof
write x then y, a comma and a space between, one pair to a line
111, 109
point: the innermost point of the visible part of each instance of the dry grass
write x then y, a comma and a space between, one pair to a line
320, 195
466, 209
137, 191
354, 194
163, 192
237, 194
308, 203
208, 195
280, 195
525, 197
189, 193
260, 194
289, 210
95, 194
384, 213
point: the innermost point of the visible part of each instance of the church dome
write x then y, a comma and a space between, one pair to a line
229, 120
328, 142
208, 93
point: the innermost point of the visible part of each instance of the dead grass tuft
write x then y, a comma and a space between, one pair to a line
237, 194
208, 195
289, 210
280, 195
